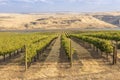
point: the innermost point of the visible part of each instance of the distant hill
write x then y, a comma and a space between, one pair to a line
50, 21
115, 20
109, 17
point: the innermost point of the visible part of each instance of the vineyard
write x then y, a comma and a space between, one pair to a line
31, 44
59, 54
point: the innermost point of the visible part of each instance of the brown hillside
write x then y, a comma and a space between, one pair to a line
50, 21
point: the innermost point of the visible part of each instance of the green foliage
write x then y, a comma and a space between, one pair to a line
106, 35
33, 48
102, 44
10, 42
66, 45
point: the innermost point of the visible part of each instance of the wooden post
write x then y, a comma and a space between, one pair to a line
38, 54
14, 53
10, 56
91, 46
22, 49
17, 52
114, 55
107, 54
26, 65
97, 50
70, 54
4, 57
35, 58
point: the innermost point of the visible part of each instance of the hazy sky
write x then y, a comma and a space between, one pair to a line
59, 5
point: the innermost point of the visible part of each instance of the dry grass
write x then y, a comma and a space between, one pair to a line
50, 21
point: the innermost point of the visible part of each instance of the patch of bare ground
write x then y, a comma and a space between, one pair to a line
12, 69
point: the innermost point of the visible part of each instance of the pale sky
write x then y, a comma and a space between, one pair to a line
32, 6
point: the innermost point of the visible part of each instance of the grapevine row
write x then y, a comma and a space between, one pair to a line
33, 49
102, 44
66, 44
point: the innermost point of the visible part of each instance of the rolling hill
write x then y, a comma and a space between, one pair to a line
50, 21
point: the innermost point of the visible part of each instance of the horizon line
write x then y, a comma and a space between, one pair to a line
60, 12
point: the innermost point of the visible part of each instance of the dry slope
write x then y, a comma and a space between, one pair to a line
50, 21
